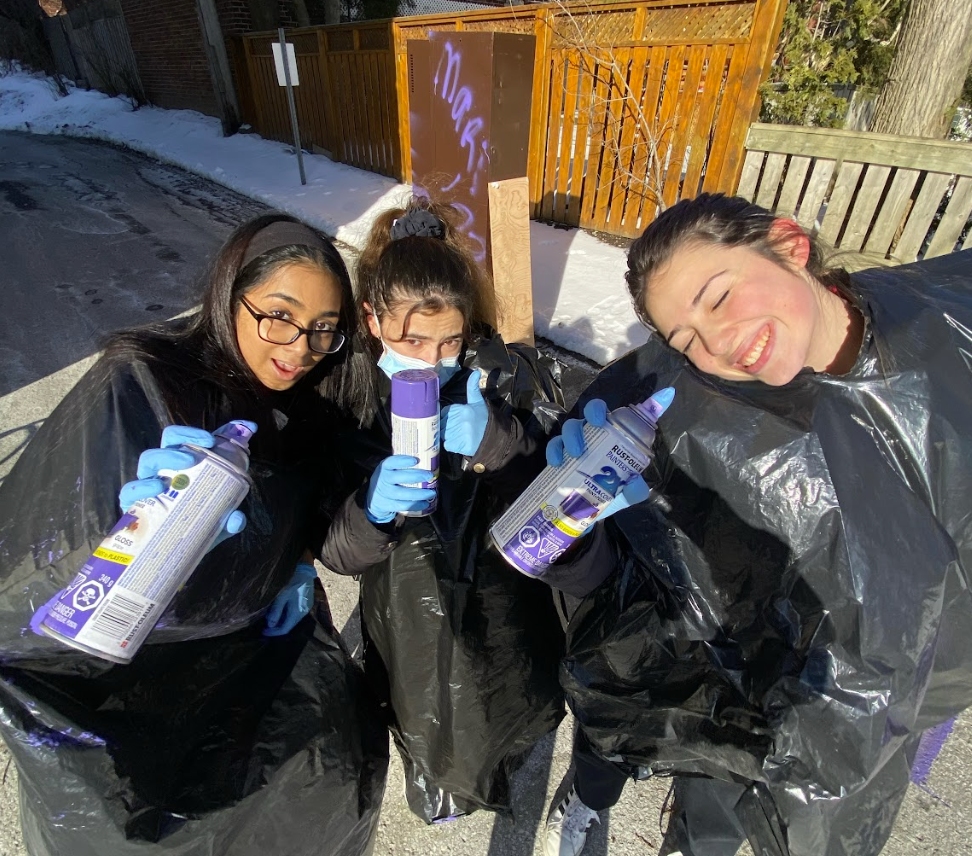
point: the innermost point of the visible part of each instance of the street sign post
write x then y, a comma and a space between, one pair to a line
287, 76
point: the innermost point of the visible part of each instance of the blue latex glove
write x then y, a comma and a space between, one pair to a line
464, 425
571, 442
151, 461
293, 602
571, 439
387, 492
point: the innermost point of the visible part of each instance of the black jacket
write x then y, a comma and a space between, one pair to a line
211, 741
804, 611
464, 647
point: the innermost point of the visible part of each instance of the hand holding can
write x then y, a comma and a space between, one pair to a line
604, 461
415, 426
120, 593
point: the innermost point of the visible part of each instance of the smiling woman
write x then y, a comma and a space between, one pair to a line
293, 296
779, 638
742, 294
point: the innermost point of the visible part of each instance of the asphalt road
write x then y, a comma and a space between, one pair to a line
95, 238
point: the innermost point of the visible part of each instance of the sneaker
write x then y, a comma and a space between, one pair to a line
567, 826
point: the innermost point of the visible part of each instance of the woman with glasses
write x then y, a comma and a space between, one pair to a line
224, 735
276, 328
463, 651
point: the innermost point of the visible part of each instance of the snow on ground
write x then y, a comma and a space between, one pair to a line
580, 301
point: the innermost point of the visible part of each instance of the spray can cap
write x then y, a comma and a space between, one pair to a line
238, 431
415, 393
652, 408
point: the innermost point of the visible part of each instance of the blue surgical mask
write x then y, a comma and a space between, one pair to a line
392, 361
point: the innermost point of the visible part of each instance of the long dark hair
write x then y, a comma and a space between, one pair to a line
728, 221
427, 273
205, 344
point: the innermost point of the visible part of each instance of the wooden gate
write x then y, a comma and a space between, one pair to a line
651, 106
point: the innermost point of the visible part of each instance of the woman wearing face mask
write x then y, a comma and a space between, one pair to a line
463, 649
211, 740
781, 639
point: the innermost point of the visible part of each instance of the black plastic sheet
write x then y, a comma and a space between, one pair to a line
464, 648
215, 740
803, 613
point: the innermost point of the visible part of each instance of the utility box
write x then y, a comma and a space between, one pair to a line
470, 96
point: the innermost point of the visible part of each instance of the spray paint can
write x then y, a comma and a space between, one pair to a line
122, 590
562, 502
415, 423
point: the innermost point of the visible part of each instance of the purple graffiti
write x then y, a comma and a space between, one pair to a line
450, 79
461, 105
466, 227
470, 130
453, 183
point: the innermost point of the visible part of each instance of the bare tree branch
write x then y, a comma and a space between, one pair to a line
613, 106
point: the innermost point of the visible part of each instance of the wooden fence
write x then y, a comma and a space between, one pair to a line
90, 45
346, 100
890, 198
633, 101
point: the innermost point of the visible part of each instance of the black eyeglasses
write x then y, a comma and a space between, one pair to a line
279, 331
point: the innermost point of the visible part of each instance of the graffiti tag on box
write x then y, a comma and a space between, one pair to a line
470, 130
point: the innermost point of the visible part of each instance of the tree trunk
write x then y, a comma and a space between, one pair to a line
300, 12
332, 11
928, 70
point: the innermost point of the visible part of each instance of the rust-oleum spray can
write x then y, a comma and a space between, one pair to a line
122, 590
562, 502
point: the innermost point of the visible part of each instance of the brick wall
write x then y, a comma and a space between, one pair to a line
166, 39
167, 42
235, 16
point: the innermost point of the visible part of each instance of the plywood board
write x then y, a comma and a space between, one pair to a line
509, 229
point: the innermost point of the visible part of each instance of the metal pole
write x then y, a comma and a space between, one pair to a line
291, 104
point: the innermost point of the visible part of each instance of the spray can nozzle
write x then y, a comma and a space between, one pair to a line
653, 408
239, 431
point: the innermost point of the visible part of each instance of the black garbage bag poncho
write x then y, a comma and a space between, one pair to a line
215, 740
464, 649
803, 613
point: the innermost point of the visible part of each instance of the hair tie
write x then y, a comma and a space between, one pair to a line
417, 223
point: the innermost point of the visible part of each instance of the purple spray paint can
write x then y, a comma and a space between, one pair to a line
415, 423
562, 502
122, 590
